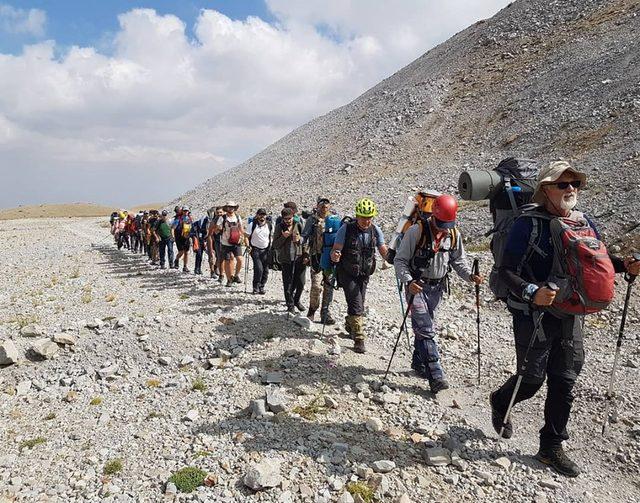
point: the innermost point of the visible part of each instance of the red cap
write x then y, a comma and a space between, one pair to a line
445, 209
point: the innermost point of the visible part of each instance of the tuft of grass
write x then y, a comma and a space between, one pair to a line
310, 411
75, 273
110, 298
96, 401
183, 296
152, 383
188, 479
22, 320
199, 385
361, 489
86, 296
153, 415
112, 466
202, 454
478, 246
49, 416
31, 443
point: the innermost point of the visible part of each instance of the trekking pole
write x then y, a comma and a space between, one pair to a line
525, 362
406, 330
246, 267
331, 285
402, 327
476, 271
629, 278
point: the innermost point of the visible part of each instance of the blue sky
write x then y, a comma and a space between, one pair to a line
165, 94
90, 22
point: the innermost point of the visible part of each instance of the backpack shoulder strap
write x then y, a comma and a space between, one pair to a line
425, 241
512, 200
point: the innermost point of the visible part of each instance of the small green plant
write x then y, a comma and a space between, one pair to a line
54, 280
202, 454
199, 385
110, 298
153, 415
361, 489
96, 401
49, 416
183, 296
112, 466
188, 479
310, 411
153, 383
31, 443
75, 273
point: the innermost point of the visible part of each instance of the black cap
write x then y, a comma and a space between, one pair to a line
164, 212
323, 200
261, 211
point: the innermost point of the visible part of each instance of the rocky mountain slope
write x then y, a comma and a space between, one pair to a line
541, 79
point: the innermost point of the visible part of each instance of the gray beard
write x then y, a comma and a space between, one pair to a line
568, 204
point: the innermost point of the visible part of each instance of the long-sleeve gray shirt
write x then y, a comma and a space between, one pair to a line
438, 266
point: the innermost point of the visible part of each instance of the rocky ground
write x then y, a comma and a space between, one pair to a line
125, 374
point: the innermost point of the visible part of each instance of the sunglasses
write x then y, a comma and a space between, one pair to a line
563, 185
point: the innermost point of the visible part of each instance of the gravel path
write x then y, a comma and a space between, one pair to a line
162, 370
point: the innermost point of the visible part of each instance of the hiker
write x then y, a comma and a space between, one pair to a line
426, 253
120, 230
354, 251
152, 238
529, 265
182, 236
287, 241
313, 245
164, 236
230, 227
200, 232
259, 233
144, 238
214, 243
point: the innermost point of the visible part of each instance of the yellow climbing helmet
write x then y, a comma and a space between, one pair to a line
366, 208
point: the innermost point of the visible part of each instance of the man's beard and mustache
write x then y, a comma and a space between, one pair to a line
568, 201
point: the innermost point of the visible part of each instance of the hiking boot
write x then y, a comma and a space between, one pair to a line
175, 264
436, 385
220, 278
162, 266
291, 310
261, 291
358, 346
255, 291
556, 458
497, 419
300, 307
326, 319
229, 282
184, 269
214, 275
236, 279
311, 314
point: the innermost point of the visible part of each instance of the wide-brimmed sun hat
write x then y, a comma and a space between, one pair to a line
550, 174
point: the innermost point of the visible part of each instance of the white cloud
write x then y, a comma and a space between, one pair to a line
163, 102
21, 21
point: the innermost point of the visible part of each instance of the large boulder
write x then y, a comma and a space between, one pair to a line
8, 353
263, 475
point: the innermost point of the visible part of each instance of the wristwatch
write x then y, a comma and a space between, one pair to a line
529, 291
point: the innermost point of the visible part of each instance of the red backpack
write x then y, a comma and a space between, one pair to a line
581, 266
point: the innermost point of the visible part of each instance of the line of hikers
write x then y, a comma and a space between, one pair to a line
550, 268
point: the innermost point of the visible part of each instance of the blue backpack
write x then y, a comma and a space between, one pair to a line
331, 225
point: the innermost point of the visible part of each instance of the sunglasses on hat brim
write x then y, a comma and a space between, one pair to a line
563, 185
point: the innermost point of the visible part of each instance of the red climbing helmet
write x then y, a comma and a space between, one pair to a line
445, 209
